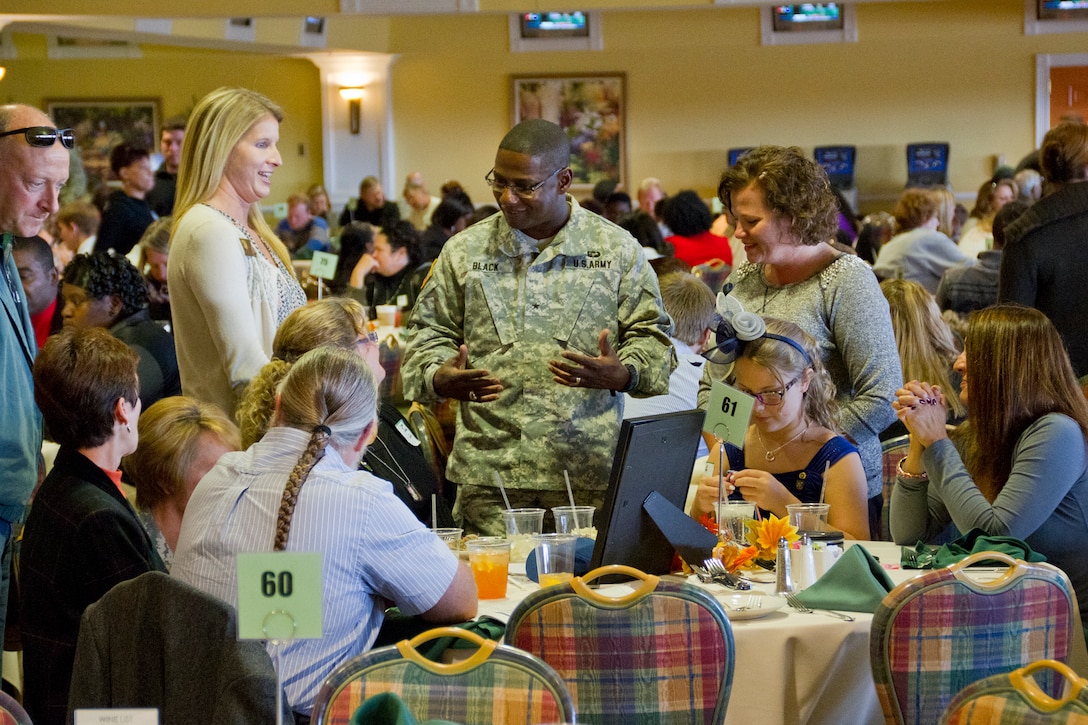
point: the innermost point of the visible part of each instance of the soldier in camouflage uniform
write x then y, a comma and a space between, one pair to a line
535, 319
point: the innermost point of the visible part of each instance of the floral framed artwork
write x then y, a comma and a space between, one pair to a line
592, 111
102, 124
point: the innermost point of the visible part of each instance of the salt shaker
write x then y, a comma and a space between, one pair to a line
805, 572
783, 582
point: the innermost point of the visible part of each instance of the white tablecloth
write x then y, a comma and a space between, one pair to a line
791, 668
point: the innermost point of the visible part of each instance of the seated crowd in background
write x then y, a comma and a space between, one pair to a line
845, 360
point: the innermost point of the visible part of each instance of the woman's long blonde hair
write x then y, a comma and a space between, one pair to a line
217, 124
331, 394
927, 348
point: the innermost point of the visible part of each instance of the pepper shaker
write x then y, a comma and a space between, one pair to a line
783, 582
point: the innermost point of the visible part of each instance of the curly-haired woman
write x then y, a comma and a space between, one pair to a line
105, 290
786, 214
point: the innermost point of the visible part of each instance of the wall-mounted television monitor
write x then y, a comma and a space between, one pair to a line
1062, 9
554, 25
838, 163
735, 154
806, 17
927, 164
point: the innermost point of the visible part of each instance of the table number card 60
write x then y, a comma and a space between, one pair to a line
279, 595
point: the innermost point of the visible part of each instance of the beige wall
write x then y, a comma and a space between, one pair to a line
179, 78
698, 82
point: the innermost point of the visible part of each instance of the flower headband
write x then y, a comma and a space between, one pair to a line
736, 327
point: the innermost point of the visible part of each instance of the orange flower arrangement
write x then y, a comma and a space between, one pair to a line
734, 556
764, 535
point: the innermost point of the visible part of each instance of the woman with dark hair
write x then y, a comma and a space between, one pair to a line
1019, 465
356, 242
104, 290
688, 217
81, 537
786, 215
396, 273
300, 489
450, 216
645, 230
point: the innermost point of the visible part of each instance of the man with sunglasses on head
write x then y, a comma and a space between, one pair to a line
33, 168
536, 319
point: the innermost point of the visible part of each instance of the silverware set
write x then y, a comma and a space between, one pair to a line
797, 604
717, 573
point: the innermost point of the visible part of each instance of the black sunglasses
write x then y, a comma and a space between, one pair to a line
44, 136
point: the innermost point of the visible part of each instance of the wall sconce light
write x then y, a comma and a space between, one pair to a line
354, 96
3, 72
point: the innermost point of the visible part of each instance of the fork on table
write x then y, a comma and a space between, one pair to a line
797, 604
719, 574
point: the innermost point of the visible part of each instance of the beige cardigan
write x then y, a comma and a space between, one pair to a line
223, 322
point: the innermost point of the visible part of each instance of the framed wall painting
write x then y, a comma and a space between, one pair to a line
102, 124
592, 111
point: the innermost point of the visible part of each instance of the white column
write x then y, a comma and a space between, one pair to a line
349, 157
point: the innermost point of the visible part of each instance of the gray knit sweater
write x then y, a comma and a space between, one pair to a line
843, 308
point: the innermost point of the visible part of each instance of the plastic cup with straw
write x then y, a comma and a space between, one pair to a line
570, 493
502, 489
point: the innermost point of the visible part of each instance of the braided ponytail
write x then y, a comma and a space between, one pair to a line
314, 452
332, 394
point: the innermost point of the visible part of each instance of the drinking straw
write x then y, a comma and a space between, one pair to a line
823, 484
721, 472
570, 493
502, 489
434, 510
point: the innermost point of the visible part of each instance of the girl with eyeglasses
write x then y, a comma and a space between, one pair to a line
793, 447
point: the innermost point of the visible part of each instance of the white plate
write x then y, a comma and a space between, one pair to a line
761, 603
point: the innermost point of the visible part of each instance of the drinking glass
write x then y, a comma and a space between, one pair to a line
489, 559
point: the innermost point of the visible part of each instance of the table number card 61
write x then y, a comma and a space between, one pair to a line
727, 413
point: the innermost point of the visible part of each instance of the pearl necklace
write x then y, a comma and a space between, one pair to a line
769, 453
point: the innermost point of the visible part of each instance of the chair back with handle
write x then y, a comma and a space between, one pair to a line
1016, 699
495, 685
941, 631
11, 712
893, 451
663, 653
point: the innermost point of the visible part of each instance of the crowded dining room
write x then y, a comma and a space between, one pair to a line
471, 361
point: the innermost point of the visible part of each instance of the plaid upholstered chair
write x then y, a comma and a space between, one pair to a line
11, 712
663, 654
1016, 699
941, 631
893, 451
496, 685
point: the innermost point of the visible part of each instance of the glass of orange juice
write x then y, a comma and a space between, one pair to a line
489, 558
554, 558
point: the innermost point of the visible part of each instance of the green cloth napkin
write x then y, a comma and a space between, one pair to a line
927, 556
388, 709
855, 583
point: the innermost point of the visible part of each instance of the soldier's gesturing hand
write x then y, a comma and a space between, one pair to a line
582, 371
454, 379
